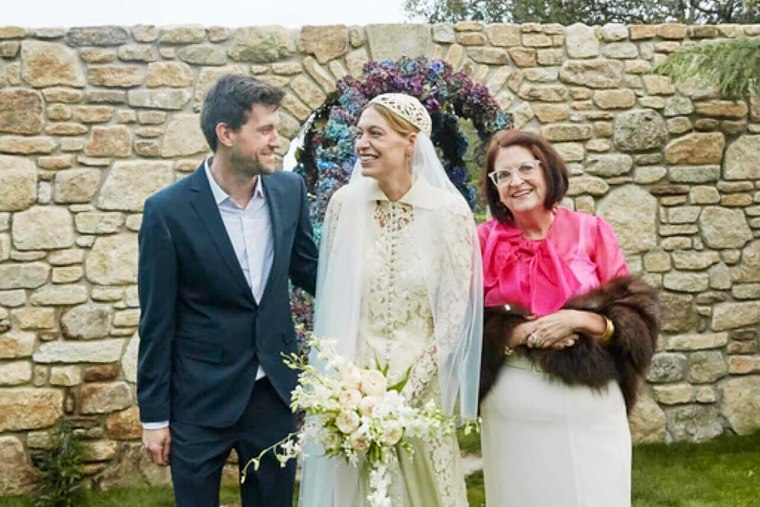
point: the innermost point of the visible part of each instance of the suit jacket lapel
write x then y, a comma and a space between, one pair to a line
274, 199
203, 202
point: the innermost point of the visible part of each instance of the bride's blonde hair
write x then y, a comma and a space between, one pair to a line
396, 122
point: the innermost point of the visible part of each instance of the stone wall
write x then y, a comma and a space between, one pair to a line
93, 120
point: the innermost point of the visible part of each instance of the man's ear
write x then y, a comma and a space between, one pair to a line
224, 134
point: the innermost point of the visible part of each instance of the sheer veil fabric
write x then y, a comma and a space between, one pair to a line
456, 342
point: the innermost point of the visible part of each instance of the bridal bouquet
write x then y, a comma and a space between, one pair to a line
353, 413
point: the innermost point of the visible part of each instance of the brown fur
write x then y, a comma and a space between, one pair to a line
632, 306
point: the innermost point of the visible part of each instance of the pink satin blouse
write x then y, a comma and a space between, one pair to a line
579, 253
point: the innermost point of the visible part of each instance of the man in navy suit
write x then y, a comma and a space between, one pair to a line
216, 251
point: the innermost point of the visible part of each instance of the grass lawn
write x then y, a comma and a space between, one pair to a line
724, 472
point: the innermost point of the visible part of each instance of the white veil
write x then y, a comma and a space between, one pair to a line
329, 482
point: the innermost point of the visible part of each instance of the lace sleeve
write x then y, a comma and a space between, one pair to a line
449, 302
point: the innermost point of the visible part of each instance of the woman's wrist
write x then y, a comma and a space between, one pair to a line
608, 331
580, 322
589, 323
516, 338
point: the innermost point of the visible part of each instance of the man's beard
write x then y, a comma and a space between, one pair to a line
251, 166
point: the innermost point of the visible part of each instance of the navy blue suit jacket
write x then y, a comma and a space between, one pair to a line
202, 334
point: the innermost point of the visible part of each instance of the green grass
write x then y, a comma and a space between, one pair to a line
469, 443
724, 472
475, 493
158, 496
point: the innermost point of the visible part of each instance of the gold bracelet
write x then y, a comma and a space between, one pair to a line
608, 332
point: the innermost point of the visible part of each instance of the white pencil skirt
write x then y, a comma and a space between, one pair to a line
546, 444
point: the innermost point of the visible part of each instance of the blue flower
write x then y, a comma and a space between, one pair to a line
327, 158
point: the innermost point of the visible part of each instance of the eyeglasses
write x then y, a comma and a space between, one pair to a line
503, 176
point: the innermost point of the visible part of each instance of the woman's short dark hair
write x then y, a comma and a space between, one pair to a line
229, 101
552, 165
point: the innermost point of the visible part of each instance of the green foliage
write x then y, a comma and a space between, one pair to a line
732, 66
590, 12
60, 470
566, 12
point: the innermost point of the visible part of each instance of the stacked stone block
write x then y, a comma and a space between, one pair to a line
94, 120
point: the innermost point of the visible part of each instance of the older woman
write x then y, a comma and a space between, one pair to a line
400, 285
568, 335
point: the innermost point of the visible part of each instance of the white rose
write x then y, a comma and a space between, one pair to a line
367, 405
374, 383
352, 376
392, 433
349, 398
359, 442
347, 421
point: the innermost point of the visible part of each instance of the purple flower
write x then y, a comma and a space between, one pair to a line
328, 157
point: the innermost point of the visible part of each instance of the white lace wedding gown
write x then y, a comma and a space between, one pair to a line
396, 328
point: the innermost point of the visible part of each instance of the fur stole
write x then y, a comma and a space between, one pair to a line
629, 302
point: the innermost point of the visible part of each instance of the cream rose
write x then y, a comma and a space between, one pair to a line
367, 405
349, 398
359, 442
373, 383
347, 421
392, 433
352, 376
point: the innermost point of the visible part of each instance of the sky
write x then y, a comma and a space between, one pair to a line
229, 13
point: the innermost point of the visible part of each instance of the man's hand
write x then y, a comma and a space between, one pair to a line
157, 443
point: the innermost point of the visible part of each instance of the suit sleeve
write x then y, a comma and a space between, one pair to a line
157, 289
303, 259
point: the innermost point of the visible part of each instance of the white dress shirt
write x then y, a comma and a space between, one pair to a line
250, 231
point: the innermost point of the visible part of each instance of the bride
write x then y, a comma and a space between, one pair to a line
400, 283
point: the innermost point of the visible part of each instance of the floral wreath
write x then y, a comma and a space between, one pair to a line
326, 157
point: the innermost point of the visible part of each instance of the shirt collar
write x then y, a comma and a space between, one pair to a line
219, 194
421, 194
